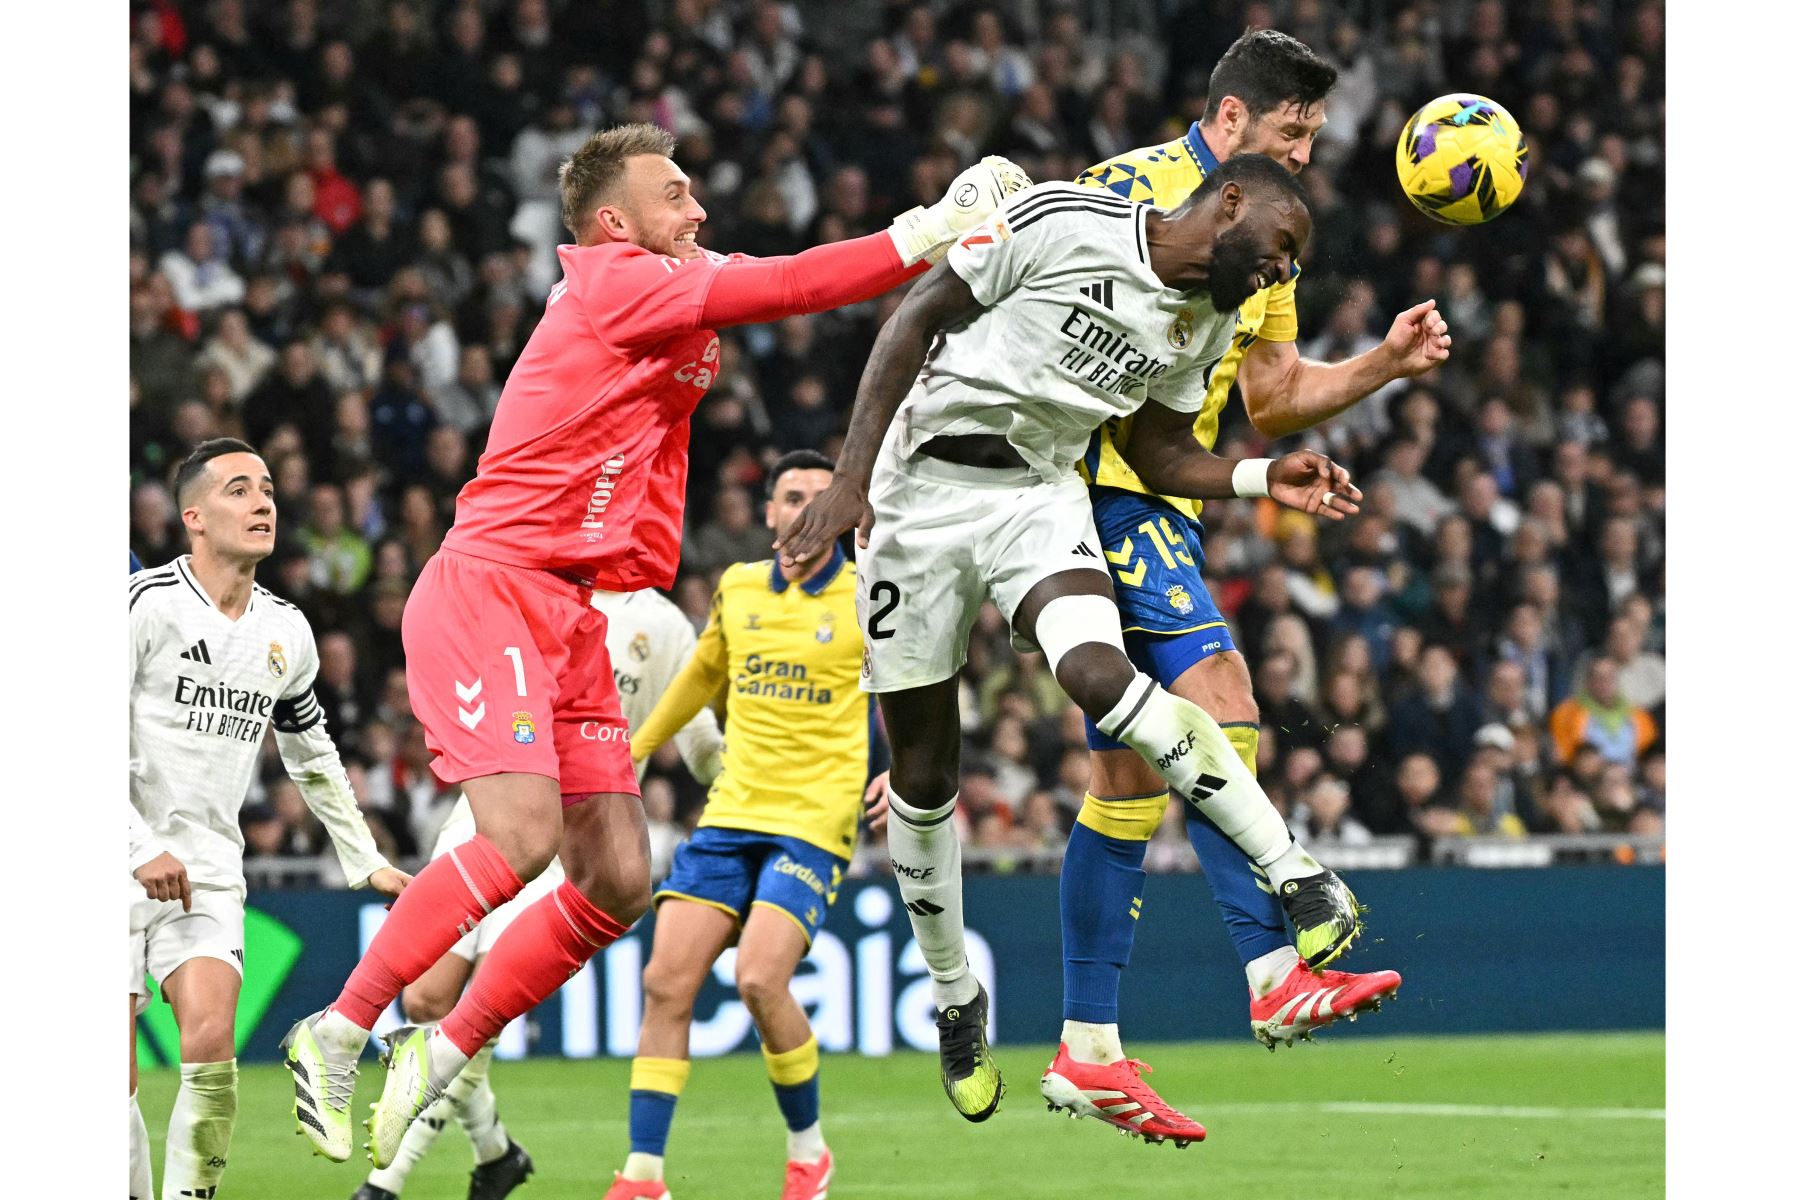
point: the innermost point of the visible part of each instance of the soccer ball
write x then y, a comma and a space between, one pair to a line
1461, 160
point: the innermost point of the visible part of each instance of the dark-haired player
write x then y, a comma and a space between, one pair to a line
215, 661
779, 828
1069, 308
1267, 96
580, 487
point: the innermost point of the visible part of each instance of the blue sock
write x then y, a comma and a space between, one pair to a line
795, 1077
656, 1083
1253, 915
1101, 894
651, 1115
799, 1103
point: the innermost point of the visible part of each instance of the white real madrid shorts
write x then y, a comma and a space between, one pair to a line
163, 937
946, 539
459, 828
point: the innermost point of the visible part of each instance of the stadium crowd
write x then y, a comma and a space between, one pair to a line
343, 222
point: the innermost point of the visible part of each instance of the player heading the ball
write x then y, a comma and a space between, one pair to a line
1067, 309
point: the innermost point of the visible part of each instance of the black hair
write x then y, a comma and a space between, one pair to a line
798, 460
1252, 172
194, 465
1266, 69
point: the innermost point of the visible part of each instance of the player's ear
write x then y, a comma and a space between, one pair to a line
1231, 201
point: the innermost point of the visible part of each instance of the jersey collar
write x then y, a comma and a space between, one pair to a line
187, 576
778, 583
1209, 162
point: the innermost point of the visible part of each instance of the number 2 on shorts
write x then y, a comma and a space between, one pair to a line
888, 605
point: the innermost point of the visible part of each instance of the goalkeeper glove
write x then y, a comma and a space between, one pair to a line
925, 234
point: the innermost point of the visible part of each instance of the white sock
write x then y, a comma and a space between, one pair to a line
927, 860
642, 1168
1292, 863
1091, 1043
339, 1036
443, 1059
475, 1107
1266, 973
806, 1145
141, 1187
415, 1145
200, 1129
1189, 750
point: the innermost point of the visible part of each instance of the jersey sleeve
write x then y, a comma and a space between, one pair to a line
1281, 320
312, 762
699, 742
993, 258
693, 687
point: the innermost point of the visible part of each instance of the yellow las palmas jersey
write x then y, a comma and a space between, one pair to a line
788, 658
1164, 176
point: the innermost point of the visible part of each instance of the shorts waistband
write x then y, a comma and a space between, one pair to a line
555, 581
936, 470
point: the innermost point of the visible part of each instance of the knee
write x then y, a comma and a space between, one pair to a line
666, 992
924, 781
1095, 676
529, 846
207, 1037
423, 1003
760, 987
621, 890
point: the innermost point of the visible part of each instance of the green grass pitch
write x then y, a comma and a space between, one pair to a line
1351, 1116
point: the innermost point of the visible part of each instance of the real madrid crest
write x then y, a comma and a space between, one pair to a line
827, 628
1181, 330
640, 646
277, 660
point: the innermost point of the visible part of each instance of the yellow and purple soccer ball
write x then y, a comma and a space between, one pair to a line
1461, 159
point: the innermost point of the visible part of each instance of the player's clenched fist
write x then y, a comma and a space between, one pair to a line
1312, 483
925, 234
165, 878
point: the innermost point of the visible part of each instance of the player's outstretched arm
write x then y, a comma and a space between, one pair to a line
1284, 393
753, 290
1162, 450
941, 300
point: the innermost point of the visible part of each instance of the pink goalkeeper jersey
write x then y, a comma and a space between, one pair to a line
585, 469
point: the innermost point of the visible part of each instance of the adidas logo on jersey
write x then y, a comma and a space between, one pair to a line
197, 653
1100, 293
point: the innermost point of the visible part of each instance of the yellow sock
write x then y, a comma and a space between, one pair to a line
1130, 819
793, 1066
1244, 738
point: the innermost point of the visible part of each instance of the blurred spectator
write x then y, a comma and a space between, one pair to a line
340, 559
1440, 717
731, 535
200, 273
244, 360
1324, 814
1599, 716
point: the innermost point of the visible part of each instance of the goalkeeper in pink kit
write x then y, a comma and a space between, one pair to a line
581, 487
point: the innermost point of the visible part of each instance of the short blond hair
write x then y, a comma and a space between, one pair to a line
591, 174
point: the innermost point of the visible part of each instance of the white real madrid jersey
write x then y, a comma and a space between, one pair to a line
205, 689
1077, 329
649, 640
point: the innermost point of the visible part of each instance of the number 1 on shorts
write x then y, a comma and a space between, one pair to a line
512, 652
